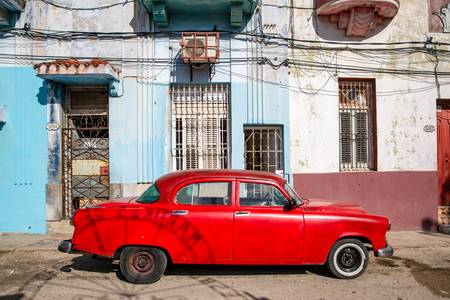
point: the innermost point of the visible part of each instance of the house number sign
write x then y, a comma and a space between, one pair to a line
429, 128
52, 126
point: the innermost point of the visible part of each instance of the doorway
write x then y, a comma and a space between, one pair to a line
443, 150
85, 148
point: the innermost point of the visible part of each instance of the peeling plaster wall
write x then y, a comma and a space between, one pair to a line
405, 180
403, 145
140, 133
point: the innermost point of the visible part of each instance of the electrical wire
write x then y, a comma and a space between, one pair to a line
61, 6
264, 37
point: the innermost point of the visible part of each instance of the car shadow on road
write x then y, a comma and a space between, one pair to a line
87, 263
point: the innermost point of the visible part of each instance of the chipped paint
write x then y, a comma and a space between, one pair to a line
405, 104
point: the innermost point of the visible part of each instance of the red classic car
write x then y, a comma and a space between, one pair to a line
227, 217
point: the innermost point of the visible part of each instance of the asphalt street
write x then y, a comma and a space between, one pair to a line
420, 269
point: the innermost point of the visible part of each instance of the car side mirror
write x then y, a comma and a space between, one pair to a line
290, 206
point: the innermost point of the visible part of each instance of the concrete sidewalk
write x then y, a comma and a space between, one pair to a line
58, 231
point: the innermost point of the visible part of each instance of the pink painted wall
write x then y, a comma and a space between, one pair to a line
408, 199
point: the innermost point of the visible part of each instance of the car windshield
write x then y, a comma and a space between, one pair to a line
150, 195
293, 194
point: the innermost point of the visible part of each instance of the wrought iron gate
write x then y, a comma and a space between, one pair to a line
85, 161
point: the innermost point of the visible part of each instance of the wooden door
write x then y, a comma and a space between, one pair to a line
443, 152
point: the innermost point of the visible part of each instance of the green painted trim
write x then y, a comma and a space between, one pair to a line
236, 14
160, 13
161, 9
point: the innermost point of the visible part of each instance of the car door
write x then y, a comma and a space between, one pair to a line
203, 213
264, 232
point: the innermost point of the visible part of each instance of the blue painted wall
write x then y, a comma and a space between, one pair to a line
23, 151
272, 108
140, 132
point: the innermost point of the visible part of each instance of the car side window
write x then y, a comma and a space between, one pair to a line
259, 194
205, 193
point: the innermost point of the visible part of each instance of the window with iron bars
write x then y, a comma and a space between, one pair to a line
264, 148
357, 124
200, 126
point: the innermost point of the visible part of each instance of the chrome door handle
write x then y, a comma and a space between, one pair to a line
179, 212
242, 213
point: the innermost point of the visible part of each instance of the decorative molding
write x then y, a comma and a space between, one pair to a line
358, 17
444, 16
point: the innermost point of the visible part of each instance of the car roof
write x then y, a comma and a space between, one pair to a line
171, 179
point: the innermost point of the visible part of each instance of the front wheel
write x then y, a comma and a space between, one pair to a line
348, 259
142, 265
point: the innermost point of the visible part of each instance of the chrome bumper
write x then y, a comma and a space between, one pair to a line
385, 252
65, 246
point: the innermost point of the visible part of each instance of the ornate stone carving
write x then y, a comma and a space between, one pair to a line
357, 17
444, 16
434, 11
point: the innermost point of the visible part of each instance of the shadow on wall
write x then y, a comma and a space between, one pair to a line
140, 21
42, 94
328, 30
194, 73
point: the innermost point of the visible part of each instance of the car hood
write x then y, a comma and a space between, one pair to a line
320, 205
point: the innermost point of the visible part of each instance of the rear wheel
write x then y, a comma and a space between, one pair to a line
348, 259
142, 265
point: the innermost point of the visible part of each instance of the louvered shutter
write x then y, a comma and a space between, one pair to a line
362, 139
356, 101
191, 144
346, 139
211, 141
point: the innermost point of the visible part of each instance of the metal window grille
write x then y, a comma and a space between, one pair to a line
264, 149
356, 102
200, 126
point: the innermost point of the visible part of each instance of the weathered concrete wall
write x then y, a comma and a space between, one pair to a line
405, 104
140, 133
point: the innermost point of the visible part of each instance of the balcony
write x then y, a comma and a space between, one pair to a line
358, 17
236, 9
7, 9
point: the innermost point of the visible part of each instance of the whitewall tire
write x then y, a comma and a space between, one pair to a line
348, 258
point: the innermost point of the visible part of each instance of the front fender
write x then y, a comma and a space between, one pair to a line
323, 230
